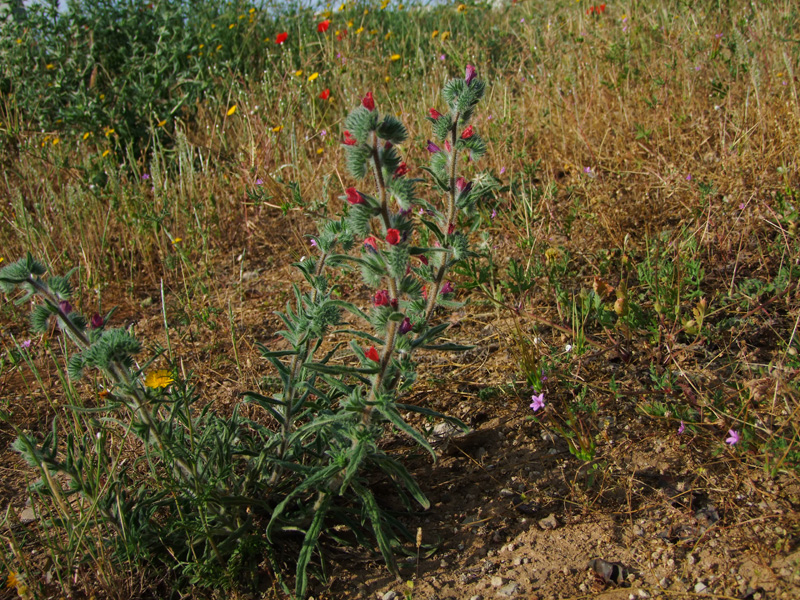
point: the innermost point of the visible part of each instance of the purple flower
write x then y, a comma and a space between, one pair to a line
470, 74
433, 148
65, 307
447, 288
682, 428
405, 326
502, 170
313, 243
145, 177
441, 57
25, 344
97, 321
538, 401
259, 181
733, 437
463, 186
494, 213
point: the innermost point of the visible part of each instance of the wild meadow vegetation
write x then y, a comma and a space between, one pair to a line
237, 241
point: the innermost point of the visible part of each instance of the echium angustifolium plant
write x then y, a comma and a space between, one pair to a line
333, 415
210, 481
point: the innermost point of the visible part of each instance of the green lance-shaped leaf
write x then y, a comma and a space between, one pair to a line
374, 514
115, 345
75, 367
313, 480
19, 272
386, 408
442, 127
357, 158
402, 190
397, 260
440, 163
358, 219
361, 123
475, 145
309, 543
398, 472
390, 159
392, 130
452, 90
40, 316
460, 245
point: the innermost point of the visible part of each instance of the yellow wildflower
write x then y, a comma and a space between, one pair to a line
1, 259
342, 7
350, 23
320, 150
219, 47
201, 46
232, 25
158, 379
19, 40
359, 30
213, 26
445, 35
366, 12
231, 110
462, 8
56, 141
277, 128
241, 17
387, 79
298, 73
106, 153
177, 241
395, 57
435, 33
109, 132
388, 35
86, 135
313, 76
49, 66
252, 10
162, 122
373, 32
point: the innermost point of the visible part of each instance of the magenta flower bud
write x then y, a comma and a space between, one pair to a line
447, 288
470, 74
405, 326
65, 307
433, 148
97, 321
463, 186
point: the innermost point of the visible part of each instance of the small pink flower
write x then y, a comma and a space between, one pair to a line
313, 243
538, 401
682, 428
733, 437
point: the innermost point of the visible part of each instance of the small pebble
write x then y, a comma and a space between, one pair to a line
548, 522
700, 587
497, 581
508, 590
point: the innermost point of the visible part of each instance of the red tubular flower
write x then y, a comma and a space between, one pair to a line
435, 114
281, 37
371, 244
323, 26
392, 237
349, 140
326, 93
423, 259
401, 170
467, 133
381, 298
353, 197
97, 321
451, 229
368, 102
447, 146
372, 354
602, 8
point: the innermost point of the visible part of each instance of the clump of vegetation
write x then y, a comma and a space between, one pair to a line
627, 257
